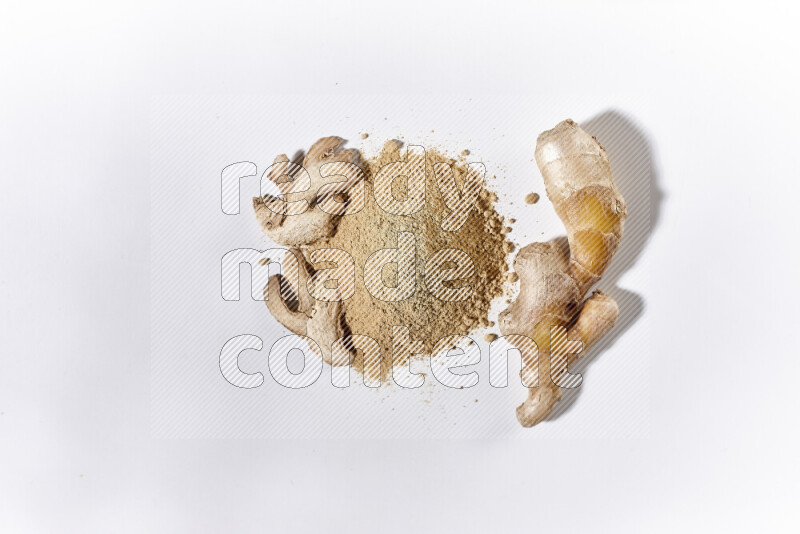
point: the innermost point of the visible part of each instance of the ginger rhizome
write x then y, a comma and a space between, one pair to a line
554, 276
309, 208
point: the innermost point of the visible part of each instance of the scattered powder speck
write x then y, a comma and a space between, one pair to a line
532, 198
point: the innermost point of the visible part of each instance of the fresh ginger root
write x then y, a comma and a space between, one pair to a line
554, 281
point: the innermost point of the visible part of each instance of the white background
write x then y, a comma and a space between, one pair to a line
76, 449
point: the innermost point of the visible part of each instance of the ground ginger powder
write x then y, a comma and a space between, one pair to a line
482, 237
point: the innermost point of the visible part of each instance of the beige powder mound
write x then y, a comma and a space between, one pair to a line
482, 237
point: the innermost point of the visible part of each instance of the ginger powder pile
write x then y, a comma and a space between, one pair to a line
482, 237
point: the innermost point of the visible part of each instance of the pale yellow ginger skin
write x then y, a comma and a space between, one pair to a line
598, 316
554, 281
